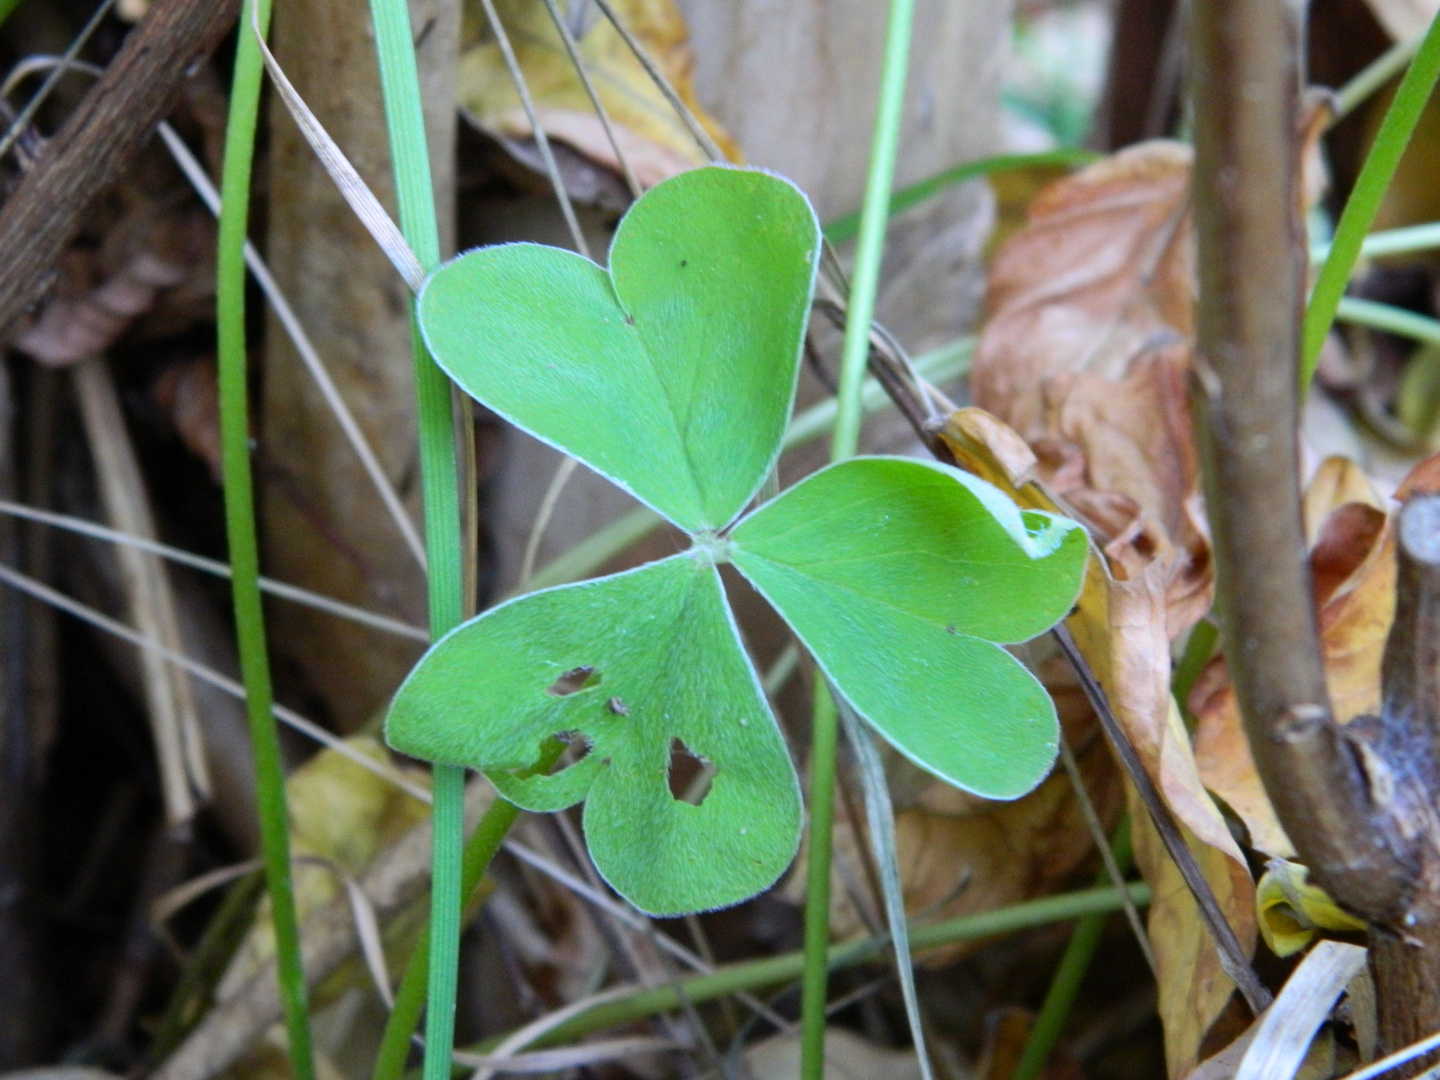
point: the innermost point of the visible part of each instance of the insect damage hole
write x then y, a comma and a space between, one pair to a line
573, 681
691, 775
577, 749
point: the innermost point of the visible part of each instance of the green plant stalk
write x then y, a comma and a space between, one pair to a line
773, 970
873, 216
824, 736
415, 193
480, 850
7, 8
240, 531
844, 228
1400, 241
1372, 77
844, 442
1364, 202
1065, 985
1395, 320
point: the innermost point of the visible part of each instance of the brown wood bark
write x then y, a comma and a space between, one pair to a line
99, 140
1251, 251
1359, 801
1405, 958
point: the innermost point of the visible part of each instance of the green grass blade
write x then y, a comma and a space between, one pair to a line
846, 438
846, 227
1074, 963
415, 193
240, 531
880, 817
824, 734
1364, 202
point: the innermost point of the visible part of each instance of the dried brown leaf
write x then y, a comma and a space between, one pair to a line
1121, 625
654, 140
1086, 353
1353, 572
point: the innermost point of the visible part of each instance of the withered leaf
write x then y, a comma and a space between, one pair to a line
1086, 351
1121, 626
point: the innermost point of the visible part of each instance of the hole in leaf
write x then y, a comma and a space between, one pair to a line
691, 776
577, 748
573, 681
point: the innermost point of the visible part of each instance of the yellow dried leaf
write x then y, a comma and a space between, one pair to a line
1292, 911
341, 814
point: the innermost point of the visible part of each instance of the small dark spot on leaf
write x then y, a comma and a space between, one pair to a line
629, 320
576, 679
684, 263
691, 775
951, 630
618, 707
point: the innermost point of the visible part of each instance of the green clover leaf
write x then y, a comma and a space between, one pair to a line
635, 667
899, 575
673, 373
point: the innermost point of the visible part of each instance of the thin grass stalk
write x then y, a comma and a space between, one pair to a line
844, 228
480, 850
824, 737
1388, 317
573, 49
415, 194
1364, 202
629, 1006
1373, 76
1070, 973
241, 535
844, 442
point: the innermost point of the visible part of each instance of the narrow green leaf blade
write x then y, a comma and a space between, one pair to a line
900, 576
633, 666
673, 373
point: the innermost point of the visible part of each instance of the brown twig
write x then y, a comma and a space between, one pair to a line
1245, 83
1232, 955
99, 140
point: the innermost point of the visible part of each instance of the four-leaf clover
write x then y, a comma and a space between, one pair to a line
673, 373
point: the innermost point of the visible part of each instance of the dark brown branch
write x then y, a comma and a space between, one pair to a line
1245, 85
99, 140
1402, 749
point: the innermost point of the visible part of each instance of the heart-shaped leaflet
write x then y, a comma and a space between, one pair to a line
636, 667
674, 373
901, 576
